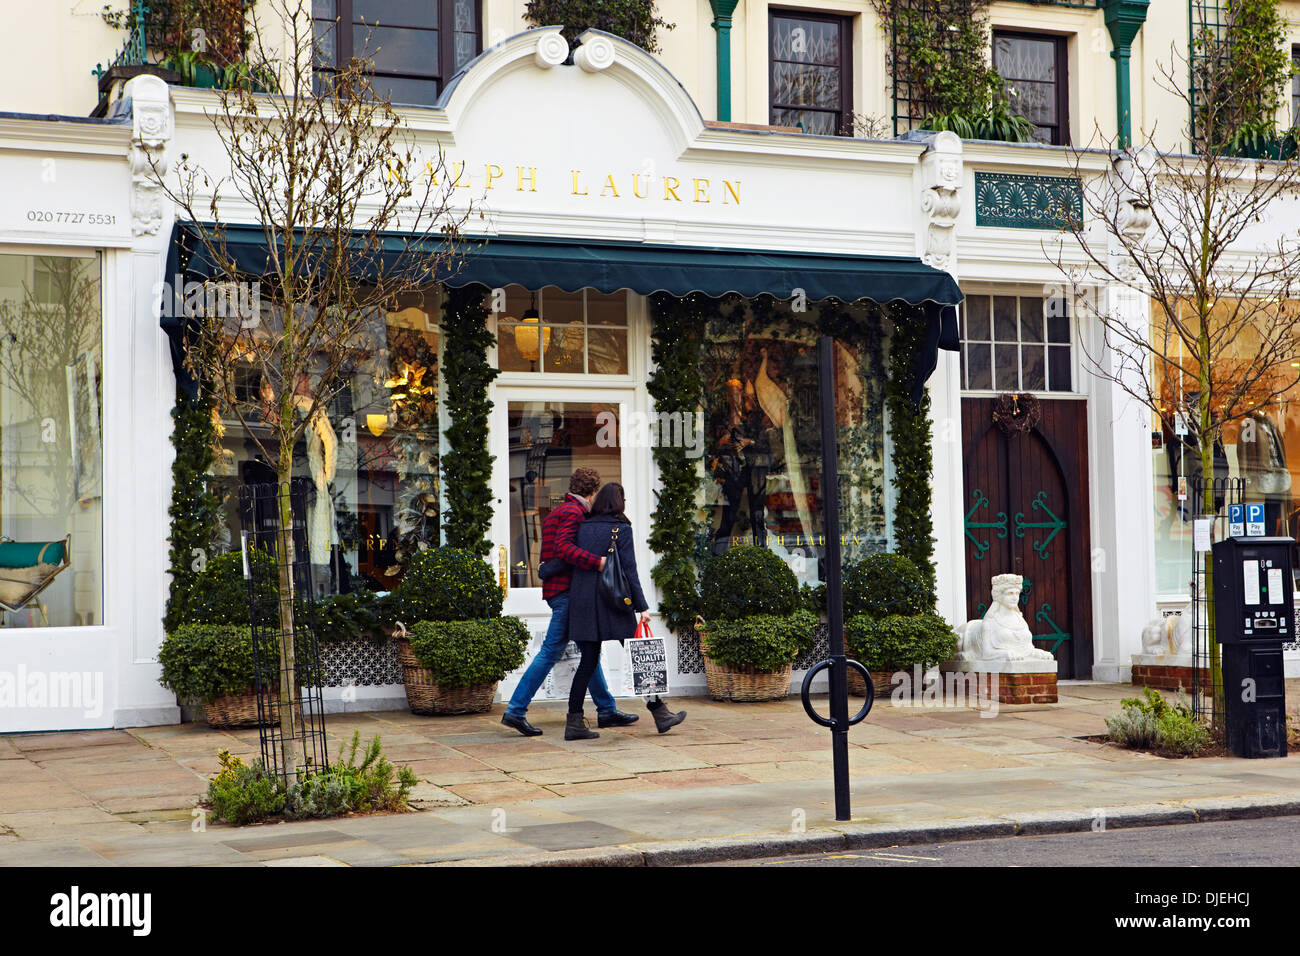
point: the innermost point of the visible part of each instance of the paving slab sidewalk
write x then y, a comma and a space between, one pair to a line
734, 781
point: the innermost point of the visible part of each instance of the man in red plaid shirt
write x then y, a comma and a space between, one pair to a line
558, 558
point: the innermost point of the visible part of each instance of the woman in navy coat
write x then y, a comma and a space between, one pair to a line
592, 619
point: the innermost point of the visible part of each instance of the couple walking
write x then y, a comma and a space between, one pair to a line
576, 536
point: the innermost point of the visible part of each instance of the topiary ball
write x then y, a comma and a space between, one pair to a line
746, 580
448, 584
221, 594
884, 584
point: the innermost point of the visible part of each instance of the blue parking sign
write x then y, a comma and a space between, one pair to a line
1254, 520
1236, 521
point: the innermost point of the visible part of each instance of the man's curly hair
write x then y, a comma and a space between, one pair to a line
584, 482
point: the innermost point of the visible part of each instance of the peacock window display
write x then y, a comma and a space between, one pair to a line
763, 440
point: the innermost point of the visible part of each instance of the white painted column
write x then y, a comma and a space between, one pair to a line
137, 535
940, 179
1121, 501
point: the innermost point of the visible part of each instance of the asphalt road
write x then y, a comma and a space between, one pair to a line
1270, 842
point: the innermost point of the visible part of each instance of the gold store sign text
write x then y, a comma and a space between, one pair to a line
525, 179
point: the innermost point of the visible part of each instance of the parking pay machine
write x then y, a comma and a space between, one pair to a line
1254, 615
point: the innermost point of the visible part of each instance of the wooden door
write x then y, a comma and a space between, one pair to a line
1026, 513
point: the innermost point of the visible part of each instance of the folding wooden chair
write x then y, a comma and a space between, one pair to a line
19, 590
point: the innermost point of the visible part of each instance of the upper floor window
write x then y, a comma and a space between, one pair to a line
1016, 344
414, 46
811, 79
1033, 67
1295, 86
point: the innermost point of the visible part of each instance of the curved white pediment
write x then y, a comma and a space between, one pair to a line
621, 89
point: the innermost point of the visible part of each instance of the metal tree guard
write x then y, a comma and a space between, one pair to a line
290, 709
1203, 690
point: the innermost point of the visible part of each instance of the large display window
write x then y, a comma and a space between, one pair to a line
368, 463
51, 441
763, 455
1255, 459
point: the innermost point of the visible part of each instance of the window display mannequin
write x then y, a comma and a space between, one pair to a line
740, 462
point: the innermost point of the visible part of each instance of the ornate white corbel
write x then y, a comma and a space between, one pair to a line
552, 49
151, 132
941, 175
596, 52
1129, 177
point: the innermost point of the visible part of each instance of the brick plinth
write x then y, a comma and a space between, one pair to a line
1161, 677
1037, 688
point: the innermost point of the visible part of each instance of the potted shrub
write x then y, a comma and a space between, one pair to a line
459, 663
456, 646
213, 665
754, 624
877, 587
895, 643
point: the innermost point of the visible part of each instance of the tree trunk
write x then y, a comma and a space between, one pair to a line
289, 751
1208, 506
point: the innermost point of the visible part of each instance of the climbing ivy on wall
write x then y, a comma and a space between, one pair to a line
467, 465
909, 430
676, 386
195, 509
635, 20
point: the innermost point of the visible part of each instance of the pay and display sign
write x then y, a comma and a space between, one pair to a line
1246, 520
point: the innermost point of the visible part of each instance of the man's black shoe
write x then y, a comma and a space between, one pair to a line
616, 719
520, 724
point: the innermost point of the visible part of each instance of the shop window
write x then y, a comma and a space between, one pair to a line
557, 332
548, 442
1256, 459
1016, 344
51, 441
811, 72
414, 46
368, 465
762, 438
1033, 68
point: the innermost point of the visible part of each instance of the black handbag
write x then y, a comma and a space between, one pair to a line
613, 585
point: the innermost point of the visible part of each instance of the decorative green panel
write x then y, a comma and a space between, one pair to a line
1027, 202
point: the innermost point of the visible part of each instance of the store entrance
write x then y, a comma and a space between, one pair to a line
1026, 512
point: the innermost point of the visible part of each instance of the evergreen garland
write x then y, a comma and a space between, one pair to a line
467, 465
676, 386
195, 509
909, 429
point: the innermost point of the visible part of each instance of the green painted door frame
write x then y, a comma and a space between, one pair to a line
1124, 18
722, 11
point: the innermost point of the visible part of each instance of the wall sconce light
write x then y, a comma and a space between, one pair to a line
377, 424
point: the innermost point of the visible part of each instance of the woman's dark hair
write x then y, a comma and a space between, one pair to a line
610, 501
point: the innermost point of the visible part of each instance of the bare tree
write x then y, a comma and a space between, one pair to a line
353, 216
1202, 236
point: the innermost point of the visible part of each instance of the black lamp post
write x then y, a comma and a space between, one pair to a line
839, 721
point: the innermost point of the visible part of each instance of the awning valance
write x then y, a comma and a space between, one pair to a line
572, 264
645, 268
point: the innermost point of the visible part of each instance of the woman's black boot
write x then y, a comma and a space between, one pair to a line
665, 719
575, 728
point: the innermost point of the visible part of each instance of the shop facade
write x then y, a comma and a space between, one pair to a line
586, 173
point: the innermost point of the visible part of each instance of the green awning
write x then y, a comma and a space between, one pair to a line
645, 268
570, 264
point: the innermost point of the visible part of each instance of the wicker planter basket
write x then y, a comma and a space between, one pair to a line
741, 683
427, 698
881, 680
232, 710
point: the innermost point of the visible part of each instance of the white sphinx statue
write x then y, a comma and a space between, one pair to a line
1172, 636
1002, 634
